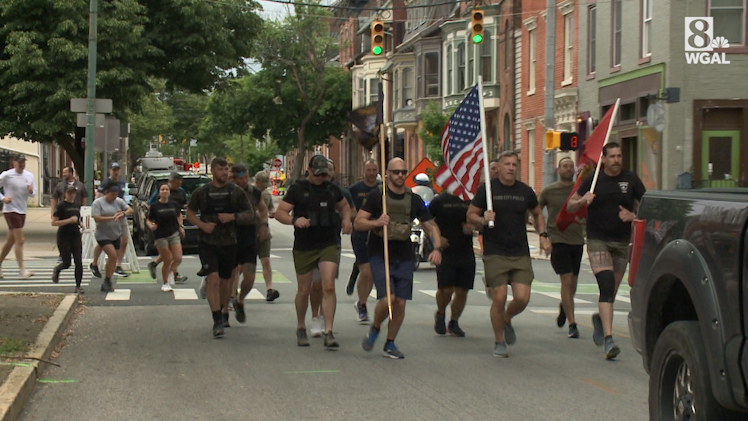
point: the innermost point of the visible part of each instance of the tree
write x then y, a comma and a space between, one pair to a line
188, 44
433, 120
310, 95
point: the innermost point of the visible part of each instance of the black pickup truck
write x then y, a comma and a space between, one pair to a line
689, 302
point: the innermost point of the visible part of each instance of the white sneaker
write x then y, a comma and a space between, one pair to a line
317, 328
171, 281
166, 288
204, 289
26, 274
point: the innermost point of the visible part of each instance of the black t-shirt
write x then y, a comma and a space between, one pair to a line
358, 192
165, 215
450, 214
398, 250
65, 210
246, 234
603, 222
300, 195
508, 237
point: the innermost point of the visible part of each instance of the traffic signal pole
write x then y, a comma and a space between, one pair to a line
91, 102
550, 86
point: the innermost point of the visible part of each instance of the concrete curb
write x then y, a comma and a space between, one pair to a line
18, 387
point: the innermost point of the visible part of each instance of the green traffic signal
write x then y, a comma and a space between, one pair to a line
477, 38
377, 50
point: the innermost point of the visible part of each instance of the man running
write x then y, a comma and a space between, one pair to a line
314, 201
221, 205
456, 274
262, 182
114, 177
362, 269
506, 256
403, 206
567, 247
68, 179
609, 220
179, 196
247, 238
108, 211
19, 186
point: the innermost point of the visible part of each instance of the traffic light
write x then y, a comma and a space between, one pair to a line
476, 26
569, 141
552, 139
377, 38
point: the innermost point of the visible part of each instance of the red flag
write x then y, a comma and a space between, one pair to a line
593, 148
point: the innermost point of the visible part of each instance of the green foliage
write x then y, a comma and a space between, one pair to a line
256, 153
433, 120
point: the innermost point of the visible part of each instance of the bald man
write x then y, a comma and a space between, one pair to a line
403, 206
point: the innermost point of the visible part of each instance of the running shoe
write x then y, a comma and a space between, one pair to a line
499, 350
218, 329
391, 351
56, 276
440, 326
106, 285
611, 349
598, 334
318, 327
272, 295
362, 312
454, 328
352, 280
573, 331
79, 291
202, 272
561, 319
241, 315
172, 283
166, 288
95, 270
330, 343
301, 339
120, 272
180, 279
152, 269
26, 274
510, 336
368, 343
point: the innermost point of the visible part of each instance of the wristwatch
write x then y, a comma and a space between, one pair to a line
543, 234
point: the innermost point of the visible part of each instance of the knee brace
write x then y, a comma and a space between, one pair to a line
606, 280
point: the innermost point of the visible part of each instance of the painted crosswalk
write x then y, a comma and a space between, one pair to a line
178, 294
43, 269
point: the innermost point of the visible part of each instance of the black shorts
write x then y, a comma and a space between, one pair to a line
116, 243
566, 258
246, 253
456, 273
221, 259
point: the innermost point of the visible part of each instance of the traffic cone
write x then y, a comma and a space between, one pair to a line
275, 189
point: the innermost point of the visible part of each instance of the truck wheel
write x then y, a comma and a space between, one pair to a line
679, 385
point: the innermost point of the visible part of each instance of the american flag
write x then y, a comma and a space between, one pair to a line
462, 147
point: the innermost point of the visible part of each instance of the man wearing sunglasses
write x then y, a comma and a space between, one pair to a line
403, 206
314, 202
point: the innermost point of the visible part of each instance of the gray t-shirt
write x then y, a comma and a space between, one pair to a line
59, 193
554, 197
108, 230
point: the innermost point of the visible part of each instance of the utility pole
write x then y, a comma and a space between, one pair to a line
550, 83
91, 101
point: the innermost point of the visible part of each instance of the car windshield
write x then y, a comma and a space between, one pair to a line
188, 184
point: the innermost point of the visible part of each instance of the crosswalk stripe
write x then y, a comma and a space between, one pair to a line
557, 296
185, 294
255, 295
61, 284
577, 312
118, 295
348, 255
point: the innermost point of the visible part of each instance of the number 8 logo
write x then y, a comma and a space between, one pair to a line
701, 33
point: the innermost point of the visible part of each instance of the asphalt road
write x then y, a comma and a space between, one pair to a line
151, 356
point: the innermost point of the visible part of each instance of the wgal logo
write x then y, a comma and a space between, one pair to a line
700, 42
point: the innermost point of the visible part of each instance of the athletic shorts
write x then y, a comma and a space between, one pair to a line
316, 276
358, 242
501, 270
306, 260
246, 253
459, 273
566, 258
15, 220
618, 250
263, 248
401, 277
169, 241
221, 259
116, 243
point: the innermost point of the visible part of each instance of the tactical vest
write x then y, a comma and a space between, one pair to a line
400, 221
320, 206
219, 202
253, 201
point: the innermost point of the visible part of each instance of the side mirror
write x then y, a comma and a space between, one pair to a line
133, 191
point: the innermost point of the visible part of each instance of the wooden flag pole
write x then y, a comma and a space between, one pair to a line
384, 212
489, 195
607, 137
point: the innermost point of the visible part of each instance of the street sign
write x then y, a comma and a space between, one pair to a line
277, 163
82, 121
103, 106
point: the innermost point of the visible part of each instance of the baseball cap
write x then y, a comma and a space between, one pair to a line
20, 157
114, 166
318, 165
175, 176
111, 186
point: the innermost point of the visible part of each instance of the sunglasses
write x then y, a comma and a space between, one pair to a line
399, 172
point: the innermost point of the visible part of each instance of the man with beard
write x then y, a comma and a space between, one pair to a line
567, 246
68, 179
611, 209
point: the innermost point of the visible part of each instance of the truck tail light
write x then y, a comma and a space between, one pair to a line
635, 247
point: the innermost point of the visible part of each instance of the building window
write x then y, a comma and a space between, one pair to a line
531, 158
408, 87
449, 70
729, 20
396, 90
591, 39
568, 49
373, 91
432, 74
419, 76
533, 58
615, 48
646, 37
487, 51
471, 63
461, 67
361, 92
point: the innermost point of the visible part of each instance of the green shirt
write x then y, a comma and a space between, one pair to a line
223, 234
554, 197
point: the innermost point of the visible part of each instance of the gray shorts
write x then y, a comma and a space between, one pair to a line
169, 241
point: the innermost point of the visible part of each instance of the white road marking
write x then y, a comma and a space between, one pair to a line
185, 294
348, 255
118, 295
577, 312
557, 296
255, 295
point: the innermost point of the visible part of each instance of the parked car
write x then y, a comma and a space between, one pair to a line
689, 302
146, 185
129, 197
